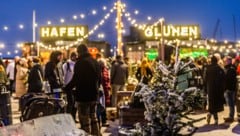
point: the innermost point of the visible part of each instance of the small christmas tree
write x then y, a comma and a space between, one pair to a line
167, 105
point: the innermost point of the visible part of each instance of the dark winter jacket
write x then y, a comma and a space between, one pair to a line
86, 79
231, 78
119, 73
54, 75
215, 78
34, 80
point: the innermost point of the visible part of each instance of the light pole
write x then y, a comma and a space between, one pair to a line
161, 46
119, 27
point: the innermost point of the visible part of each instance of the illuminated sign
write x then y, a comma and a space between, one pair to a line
63, 33
173, 31
193, 52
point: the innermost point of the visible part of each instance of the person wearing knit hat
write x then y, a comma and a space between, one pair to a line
86, 79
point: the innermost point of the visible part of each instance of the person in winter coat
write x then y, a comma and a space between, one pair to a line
21, 77
35, 78
3, 75
215, 89
230, 88
144, 72
68, 69
86, 79
104, 92
3, 101
118, 76
54, 73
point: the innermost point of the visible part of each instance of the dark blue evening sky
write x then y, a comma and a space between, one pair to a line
202, 12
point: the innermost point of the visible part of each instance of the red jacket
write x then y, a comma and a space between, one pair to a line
105, 82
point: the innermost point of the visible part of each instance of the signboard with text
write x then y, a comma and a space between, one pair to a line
172, 32
62, 33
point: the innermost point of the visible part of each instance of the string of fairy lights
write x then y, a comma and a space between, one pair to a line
62, 20
207, 44
91, 32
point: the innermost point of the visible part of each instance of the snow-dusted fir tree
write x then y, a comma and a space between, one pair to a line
167, 104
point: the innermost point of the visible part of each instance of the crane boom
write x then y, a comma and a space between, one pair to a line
216, 28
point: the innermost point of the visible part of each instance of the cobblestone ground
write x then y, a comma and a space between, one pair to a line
223, 129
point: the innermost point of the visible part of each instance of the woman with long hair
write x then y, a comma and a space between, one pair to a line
54, 72
144, 73
21, 77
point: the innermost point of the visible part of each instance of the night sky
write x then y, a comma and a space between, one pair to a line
202, 12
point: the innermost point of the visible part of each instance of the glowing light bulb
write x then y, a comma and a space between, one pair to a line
104, 8
94, 12
136, 12
75, 17
82, 16
49, 22
62, 20
5, 28
149, 18
21, 26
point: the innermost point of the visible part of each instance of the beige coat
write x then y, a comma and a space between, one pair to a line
21, 80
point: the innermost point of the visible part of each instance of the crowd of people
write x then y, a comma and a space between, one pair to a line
91, 84
86, 81
216, 76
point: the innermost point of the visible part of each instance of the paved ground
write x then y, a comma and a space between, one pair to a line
223, 129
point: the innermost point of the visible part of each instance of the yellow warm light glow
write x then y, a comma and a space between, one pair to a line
212, 40
173, 31
195, 46
2, 45
69, 31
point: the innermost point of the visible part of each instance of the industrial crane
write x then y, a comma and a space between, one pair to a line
216, 29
